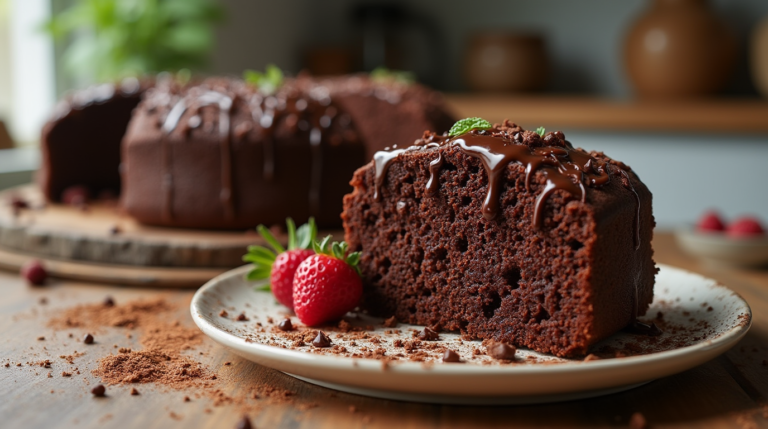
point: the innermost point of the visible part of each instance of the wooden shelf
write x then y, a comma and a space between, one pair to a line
558, 112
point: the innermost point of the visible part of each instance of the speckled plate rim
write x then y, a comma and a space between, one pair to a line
460, 383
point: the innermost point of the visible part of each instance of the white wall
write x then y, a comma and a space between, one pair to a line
689, 174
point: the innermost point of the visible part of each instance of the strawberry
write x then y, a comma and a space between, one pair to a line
710, 222
327, 285
280, 266
745, 227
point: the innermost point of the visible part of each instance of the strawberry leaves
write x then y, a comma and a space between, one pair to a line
262, 258
339, 251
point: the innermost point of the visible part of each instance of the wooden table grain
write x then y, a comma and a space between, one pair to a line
727, 392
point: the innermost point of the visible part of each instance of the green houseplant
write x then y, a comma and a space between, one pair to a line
111, 39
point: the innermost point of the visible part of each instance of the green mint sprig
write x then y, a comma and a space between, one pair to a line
268, 82
262, 258
468, 124
383, 74
339, 251
540, 131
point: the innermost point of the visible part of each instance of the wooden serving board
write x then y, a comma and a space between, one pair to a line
100, 243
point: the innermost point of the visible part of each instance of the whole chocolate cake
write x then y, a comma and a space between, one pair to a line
225, 154
80, 145
504, 234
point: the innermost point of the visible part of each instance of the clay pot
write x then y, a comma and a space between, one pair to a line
506, 62
759, 57
679, 49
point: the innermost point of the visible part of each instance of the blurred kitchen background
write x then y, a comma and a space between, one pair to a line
678, 89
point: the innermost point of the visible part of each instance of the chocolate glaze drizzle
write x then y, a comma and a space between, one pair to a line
564, 167
207, 98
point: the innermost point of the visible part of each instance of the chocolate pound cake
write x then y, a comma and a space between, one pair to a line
224, 154
504, 234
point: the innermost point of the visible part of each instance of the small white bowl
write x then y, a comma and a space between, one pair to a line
719, 248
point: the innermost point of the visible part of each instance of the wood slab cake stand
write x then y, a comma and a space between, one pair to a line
99, 243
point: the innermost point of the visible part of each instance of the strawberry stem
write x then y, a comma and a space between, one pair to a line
338, 250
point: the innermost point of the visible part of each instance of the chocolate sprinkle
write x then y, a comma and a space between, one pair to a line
244, 423
241, 317
451, 356
99, 390
501, 351
321, 340
285, 325
428, 334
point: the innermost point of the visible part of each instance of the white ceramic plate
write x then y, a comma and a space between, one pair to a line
718, 248
700, 319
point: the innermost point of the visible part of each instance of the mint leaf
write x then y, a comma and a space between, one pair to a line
267, 82
540, 131
468, 124
383, 74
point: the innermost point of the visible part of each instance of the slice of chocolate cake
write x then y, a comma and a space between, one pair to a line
504, 234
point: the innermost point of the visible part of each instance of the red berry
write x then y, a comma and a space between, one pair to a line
283, 270
324, 289
745, 227
34, 272
710, 222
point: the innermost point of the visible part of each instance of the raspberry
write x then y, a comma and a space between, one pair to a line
710, 222
745, 227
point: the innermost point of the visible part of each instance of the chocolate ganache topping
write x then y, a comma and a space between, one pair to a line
565, 167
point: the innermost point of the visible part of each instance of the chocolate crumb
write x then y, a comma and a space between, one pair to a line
451, 356
99, 390
40, 338
134, 392
223, 313
501, 351
242, 317
710, 308
244, 423
637, 421
109, 302
7, 364
428, 334
285, 325
66, 374
321, 340
227, 363
88, 339
43, 300
186, 399
115, 230
391, 322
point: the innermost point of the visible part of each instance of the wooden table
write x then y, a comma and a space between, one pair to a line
727, 392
